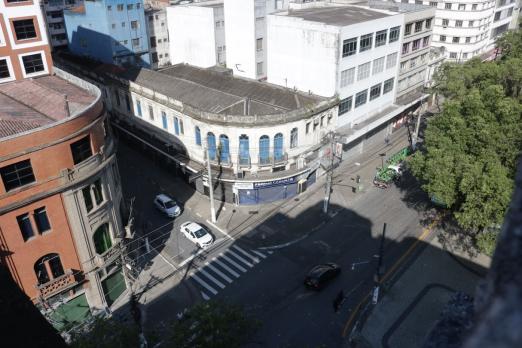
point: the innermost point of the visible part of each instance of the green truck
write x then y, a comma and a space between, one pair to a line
392, 169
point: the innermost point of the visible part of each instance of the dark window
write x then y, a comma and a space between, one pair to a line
41, 271
41, 220
375, 92
380, 38
117, 95
394, 34
127, 102
407, 29
135, 43
97, 191
86, 191
365, 43
24, 29
102, 239
152, 41
198, 136
418, 26
151, 113
4, 69
361, 98
388, 86
345, 105
33, 63
154, 56
293, 138
24, 222
17, 174
349, 47
307, 129
56, 266
81, 149
428, 23
134, 25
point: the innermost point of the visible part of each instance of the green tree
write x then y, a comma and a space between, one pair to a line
107, 333
210, 325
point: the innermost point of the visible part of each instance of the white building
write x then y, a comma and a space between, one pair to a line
197, 34
158, 33
53, 14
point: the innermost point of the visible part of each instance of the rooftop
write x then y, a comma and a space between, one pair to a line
219, 92
335, 15
32, 103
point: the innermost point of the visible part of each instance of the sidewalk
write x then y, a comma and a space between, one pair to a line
410, 308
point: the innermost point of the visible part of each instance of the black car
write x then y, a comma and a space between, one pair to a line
320, 275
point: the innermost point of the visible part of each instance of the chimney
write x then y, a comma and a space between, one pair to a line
66, 107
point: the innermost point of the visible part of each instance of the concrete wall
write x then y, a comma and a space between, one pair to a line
157, 30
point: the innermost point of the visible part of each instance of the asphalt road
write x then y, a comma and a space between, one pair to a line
269, 283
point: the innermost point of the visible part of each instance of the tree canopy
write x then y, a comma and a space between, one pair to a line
472, 146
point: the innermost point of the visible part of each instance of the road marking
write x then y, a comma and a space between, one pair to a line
240, 258
270, 252
423, 236
233, 262
218, 272
219, 229
255, 259
205, 296
190, 258
230, 270
211, 277
204, 284
259, 254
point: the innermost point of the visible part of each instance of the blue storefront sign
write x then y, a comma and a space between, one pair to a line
278, 182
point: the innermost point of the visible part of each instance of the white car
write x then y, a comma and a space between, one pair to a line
197, 234
167, 205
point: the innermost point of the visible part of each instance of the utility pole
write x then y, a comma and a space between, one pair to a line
328, 184
210, 187
378, 271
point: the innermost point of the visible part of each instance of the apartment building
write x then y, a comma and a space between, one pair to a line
24, 52
111, 31
158, 35
53, 14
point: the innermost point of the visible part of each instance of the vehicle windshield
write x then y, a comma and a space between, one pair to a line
170, 204
200, 233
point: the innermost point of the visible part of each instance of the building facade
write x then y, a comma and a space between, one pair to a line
111, 31
53, 12
24, 52
158, 36
197, 34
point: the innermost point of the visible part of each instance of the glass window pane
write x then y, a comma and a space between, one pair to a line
25, 226
41, 220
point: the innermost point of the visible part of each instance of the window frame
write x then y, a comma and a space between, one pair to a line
10, 70
41, 222
345, 105
43, 56
377, 64
80, 148
24, 220
366, 38
395, 34
382, 34
364, 68
373, 88
34, 30
16, 171
359, 94
350, 47
347, 77
389, 82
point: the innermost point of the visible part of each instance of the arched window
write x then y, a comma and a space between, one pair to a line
48, 267
211, 144
278, 147
244, 150
264, 149
293, 138
198, 136
176, 125
102, 239
224, 149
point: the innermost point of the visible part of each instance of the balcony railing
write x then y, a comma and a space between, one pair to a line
59, 284
273, 160
243, 161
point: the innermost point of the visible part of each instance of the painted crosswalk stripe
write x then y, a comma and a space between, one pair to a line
255, 259
259, 254
204, 284
211, 277
230, 270
240, 258
205, 296
270, 252
217, 271
233, 263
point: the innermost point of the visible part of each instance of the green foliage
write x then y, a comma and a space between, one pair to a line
107, 333
472, 146
210, 325
487, 241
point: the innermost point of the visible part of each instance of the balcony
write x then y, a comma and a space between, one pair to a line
59, 284
108, 256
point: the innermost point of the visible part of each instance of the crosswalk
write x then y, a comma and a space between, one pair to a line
224, 268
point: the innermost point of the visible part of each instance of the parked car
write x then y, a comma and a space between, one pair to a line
167, 205
197, 234
321, 275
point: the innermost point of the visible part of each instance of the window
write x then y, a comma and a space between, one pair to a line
464, 55
391, 60
418, 2
453, 55
462, 7
135, 43
181, 130
361, 98
164, 120
458, 23
197, 132
497, 16
97, 191
365, 43
259, 44
49, 262
4, 69
244, 150
211, 145
127, 102
388, 86
349, 47
24, 222
92, 194
17, 174
117, 97
456, 39
224, 149
375, 92
135, 24
322, 121
405, 48
293, 138
138, 6
264, 149
380, 38
24, 29
109, 8
416, 45
425, 41
428, 23
394, 34
138, 108
176, 125
130, 6
510, 12
81, 149
418, 26
404, 65
347, 77
468, 39
474, 7
447, 5
407, 29
307, 128
413, 62
442, 38
433, 3
259, 68
102, 239
445, 22
363, 71
33, 63
41, 220
123, 24
278, 147
378, 65
151, 113
119, 7
154, 56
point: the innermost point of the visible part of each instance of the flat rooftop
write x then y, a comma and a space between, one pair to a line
335, 15
32, 103
219, 92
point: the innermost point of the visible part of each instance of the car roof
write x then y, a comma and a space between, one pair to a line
193, 227
319, 269
163, 197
